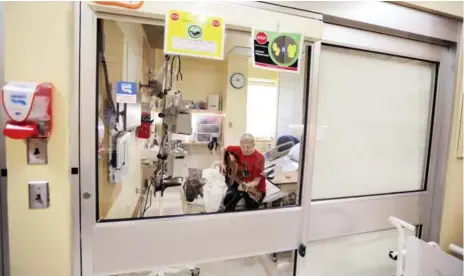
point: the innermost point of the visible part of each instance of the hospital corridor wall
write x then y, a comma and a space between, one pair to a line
50, 232
31, 53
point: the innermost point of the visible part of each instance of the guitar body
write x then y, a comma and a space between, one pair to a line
234, 171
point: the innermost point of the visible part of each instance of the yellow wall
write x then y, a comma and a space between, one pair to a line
39, 47
235, 121
236, 99
114, 47
118, 200
451, 228
257, 73
201, 77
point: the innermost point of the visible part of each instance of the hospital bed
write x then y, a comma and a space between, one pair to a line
416, 257
282, 168
282, 161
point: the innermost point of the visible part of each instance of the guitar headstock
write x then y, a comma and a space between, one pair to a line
231, 161
230, 157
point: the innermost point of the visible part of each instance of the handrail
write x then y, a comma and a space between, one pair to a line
400, 226
456, 249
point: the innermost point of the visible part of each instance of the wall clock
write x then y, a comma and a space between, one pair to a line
237, 80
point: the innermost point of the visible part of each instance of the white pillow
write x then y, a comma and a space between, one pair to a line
294, 153
296, 131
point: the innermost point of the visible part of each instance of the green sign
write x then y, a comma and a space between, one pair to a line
194, 31
277, 51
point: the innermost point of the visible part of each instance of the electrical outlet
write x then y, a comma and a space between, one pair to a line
37, 151
39, 195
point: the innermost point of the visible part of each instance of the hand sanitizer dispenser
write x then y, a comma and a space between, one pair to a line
28, 106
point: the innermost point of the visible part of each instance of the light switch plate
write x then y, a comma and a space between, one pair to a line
39, 195
37, 151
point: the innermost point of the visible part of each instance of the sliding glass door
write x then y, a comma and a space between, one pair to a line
347, 142
152, 215
378, 111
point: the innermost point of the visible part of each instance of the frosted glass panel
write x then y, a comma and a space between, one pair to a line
363, 254
373, 123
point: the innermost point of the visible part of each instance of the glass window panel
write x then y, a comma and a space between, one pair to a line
133, 183
373, 123
361, 254
262, 109
278, 264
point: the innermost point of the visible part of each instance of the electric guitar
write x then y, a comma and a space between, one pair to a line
233, 173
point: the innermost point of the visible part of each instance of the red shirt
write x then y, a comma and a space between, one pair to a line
253, 163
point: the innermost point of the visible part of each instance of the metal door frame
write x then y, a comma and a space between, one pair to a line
419, 207
95, 236
4, 243
422, 207
431, 199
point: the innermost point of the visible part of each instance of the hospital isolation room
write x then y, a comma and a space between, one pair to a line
218, 104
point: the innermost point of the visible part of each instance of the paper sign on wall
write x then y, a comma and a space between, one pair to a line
194, 35
277, 51
126, 92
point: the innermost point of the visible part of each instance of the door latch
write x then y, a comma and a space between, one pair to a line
302, 250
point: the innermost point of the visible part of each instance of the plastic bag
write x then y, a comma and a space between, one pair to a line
214, 189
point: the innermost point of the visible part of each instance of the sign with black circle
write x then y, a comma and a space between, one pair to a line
277, 51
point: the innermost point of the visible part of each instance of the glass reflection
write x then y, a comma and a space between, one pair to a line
225, 137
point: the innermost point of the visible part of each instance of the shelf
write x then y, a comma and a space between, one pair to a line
207, 112
200, 124
195, 143
200, 112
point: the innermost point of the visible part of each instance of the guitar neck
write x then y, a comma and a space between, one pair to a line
236, 179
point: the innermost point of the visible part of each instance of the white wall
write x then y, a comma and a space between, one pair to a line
290, 103
453, 8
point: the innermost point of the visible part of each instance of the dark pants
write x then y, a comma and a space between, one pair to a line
233, 196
